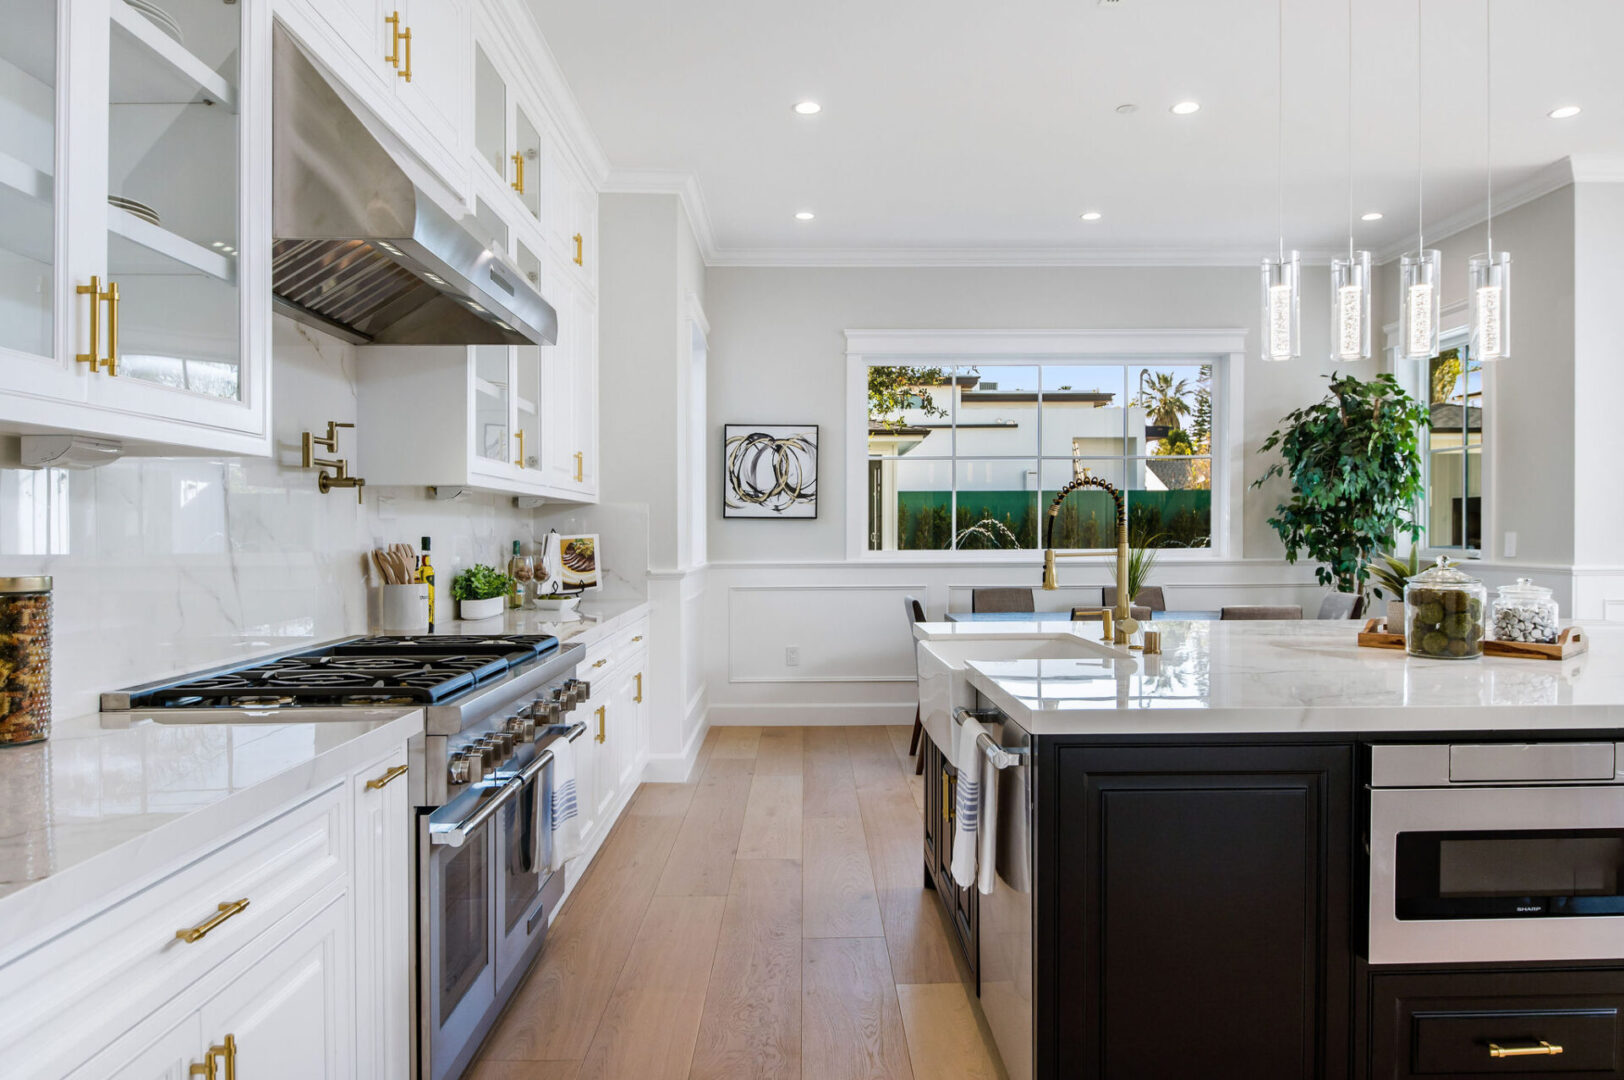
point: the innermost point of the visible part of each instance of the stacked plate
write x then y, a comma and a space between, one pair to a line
159, 18
130, 206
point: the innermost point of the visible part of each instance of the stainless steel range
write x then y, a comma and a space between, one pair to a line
496, 712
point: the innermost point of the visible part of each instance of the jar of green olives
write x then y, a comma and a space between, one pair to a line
1444, 612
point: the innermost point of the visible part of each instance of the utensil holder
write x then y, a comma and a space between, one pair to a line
401, 607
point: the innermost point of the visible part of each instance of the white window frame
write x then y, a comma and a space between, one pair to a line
1224, 349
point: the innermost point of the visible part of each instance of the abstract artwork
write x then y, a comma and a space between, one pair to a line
770, 471
579, 558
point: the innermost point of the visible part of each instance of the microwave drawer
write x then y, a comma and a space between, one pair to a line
1474, 1024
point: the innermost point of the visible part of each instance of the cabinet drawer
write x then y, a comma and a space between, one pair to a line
612, 650
1472, 1024
75, 992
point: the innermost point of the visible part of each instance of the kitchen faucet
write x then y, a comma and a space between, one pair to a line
1124, 611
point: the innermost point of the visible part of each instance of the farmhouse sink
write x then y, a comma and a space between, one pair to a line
943, 685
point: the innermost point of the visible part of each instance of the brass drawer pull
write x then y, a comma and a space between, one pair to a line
577, 239
601, 710
579, 466
947, 798
221, 914
518, 171
600, 663
639, 697
389, 777
1540, 1049
636, 639
406, 36
393, 59
227, 1052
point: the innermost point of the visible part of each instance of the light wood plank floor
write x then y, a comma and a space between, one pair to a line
764, 920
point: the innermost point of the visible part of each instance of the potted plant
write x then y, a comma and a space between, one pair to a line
1393, 574
481, 592
1142, 558
1354, 462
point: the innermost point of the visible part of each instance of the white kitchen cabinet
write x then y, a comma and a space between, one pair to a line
168, 1057
147, 321
433, 84
589, 751
384, 935
568, 374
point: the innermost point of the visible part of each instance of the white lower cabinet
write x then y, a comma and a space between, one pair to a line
169, 1057
384, 935
609, 764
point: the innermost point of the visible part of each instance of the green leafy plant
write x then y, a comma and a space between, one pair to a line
1142, 556
1176, 442
894, 389
1354, 462
480, 582
1393, 574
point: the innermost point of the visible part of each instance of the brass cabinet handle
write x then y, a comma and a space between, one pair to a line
636, 639
93, 290
601, 710
518, 169
393, 59
600, 663
578, 261
221, 914
578, 466
406, 36
112, 328
947, 799
1540, 1049
389, 777
520, 435
639, 697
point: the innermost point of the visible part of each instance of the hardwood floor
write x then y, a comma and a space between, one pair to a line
764, 920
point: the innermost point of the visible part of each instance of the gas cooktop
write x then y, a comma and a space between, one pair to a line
359, 671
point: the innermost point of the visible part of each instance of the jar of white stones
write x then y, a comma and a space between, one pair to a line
1523, 612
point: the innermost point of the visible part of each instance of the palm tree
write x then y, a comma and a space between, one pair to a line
1162, 397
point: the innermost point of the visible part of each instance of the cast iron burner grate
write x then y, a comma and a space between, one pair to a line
529, 645
335, 680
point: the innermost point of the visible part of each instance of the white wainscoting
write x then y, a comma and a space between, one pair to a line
842, 632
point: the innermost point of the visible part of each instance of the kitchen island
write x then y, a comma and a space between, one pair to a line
1268, 852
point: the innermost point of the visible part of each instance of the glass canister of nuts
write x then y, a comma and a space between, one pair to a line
25, 660
1444, 610
1524, 612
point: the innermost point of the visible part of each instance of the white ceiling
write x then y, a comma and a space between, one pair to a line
959, 130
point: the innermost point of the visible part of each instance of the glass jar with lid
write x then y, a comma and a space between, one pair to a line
1444, 610
1524, 612
25, 660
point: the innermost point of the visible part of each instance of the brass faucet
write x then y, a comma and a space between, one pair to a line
1125, 624
340, 477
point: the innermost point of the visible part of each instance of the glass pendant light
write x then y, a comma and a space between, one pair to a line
1282, 326
1350, 277
1421, 270
1489, 275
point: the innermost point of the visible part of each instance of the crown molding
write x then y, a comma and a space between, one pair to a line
1597, 168
685, 186
1553, 177
1010, 257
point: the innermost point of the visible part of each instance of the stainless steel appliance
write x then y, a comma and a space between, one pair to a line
496, 710
1496, 852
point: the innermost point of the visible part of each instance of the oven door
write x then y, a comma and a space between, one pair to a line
524, 852
1466, 875
457, 915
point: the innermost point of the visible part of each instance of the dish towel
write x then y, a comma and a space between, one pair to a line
564, 817
987, 831
967, 802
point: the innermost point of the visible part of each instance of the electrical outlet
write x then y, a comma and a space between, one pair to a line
384, 507
1509, 548
792, 656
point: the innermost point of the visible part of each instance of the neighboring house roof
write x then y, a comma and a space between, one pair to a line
1446, 416
878, 427
1089, 397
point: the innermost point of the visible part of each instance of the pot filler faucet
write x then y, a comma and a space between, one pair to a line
1124, 611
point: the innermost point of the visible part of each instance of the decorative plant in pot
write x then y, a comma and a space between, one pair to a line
1392, 575
481, 592
1354, 462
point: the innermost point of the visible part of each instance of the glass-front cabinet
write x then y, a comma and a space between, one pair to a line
134, 300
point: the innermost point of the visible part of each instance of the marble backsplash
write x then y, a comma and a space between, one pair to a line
167, 565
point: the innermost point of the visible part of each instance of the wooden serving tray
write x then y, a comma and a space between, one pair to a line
1570, 642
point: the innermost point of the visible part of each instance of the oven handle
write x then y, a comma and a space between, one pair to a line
455, 834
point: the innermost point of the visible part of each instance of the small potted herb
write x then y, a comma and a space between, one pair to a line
481, 592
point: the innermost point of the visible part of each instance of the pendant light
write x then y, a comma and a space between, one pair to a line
1350, 277
1421, 270
1489, 284
1282, 325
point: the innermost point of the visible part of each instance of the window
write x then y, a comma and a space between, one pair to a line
1453, 449
966, 455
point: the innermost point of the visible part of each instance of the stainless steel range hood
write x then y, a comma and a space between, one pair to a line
362, 251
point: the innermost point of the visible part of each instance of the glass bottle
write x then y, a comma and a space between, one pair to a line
522, 569
425, 574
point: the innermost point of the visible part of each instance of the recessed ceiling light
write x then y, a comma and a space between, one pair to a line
1564, 112
1374, 215
808, 108
1127, 108
804, 215
1185, 108
1092, 215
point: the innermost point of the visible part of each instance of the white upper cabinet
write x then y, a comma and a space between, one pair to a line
134, 223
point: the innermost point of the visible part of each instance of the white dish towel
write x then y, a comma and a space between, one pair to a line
563, 815
974, 809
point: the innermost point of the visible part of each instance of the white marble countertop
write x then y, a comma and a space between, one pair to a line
96, 812
590, 622
1281, 677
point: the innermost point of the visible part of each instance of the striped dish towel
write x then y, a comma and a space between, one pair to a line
967, 802
564, 817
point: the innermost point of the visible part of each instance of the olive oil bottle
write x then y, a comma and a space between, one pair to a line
425, 574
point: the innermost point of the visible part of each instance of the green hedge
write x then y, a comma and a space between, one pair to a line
1173, 518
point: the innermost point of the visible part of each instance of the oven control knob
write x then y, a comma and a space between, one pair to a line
583, 690
522, 728
507, 740
458, 768
546, 712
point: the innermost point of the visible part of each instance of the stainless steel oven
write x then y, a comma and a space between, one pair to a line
1496, 852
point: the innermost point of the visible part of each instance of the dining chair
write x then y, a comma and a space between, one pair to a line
983, 601
1139, 614
1341, 605
916, 614
1148, 596
1261, 611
